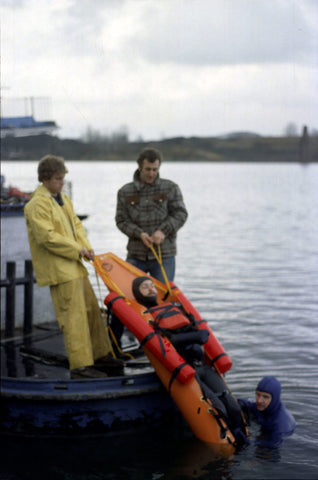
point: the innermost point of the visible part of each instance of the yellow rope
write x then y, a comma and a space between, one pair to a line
159, 260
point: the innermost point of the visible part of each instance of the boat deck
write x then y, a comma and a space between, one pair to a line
42, 355
38, 397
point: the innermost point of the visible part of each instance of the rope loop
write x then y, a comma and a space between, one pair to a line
159, 260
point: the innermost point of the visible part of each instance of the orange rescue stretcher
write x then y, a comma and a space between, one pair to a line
177, 376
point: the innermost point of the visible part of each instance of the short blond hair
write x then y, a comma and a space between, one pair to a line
50, 164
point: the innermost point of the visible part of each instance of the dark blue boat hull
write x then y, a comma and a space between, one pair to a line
83, 406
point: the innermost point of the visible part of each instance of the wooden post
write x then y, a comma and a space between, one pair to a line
28, 297
10, 300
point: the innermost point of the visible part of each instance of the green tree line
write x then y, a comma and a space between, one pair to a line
236, 147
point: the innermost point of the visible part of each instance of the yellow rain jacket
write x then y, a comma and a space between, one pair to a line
56, 237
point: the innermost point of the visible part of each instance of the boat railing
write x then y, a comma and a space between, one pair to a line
10, 283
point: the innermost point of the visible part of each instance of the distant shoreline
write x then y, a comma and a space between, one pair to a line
244, 148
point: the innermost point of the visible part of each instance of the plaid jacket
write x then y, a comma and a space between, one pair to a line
149, 207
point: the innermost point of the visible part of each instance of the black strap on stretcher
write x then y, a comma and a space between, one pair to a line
218, 418
215, 359
175, 374
149, 337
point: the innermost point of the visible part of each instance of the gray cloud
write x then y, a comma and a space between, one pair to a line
182, 67
227, 32
80, 25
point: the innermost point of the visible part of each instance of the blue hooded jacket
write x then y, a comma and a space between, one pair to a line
276, 421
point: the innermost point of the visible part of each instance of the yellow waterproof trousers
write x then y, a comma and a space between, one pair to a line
79, 317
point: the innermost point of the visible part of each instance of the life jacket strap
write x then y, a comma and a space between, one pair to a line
192, 318
169, 316
164, 309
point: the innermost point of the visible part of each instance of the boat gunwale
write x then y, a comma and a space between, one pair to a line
80, 390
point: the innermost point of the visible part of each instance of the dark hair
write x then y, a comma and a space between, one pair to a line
49, 165
150, 154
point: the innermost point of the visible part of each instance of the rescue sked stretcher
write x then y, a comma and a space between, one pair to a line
176, 375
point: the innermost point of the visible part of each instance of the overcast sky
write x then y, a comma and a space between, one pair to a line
163, 68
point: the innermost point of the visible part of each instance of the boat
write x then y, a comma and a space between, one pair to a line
26, 126
202, 412
39, 398
13, 200
24, 136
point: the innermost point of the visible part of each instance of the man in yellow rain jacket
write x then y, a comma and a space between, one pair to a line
58, 243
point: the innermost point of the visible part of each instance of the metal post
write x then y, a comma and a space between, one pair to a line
304, 146
10, 300
28, 297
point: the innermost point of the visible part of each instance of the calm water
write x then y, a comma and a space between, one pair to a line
248, 260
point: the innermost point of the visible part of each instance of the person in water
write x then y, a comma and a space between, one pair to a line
269, 412
189, 341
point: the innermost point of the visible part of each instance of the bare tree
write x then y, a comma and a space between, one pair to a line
291, 130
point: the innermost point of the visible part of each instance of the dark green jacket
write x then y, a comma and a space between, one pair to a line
149, 207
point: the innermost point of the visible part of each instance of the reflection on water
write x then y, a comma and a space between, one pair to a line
248, 261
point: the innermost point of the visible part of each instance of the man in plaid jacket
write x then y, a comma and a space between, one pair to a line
150, 210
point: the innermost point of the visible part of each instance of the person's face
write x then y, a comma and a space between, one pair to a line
263, 400
147, 288
149, 171
55, 184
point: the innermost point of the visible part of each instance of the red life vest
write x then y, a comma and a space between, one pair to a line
136, 319
168, 316
212, 347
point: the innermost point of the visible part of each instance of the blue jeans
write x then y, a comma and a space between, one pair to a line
152, 267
